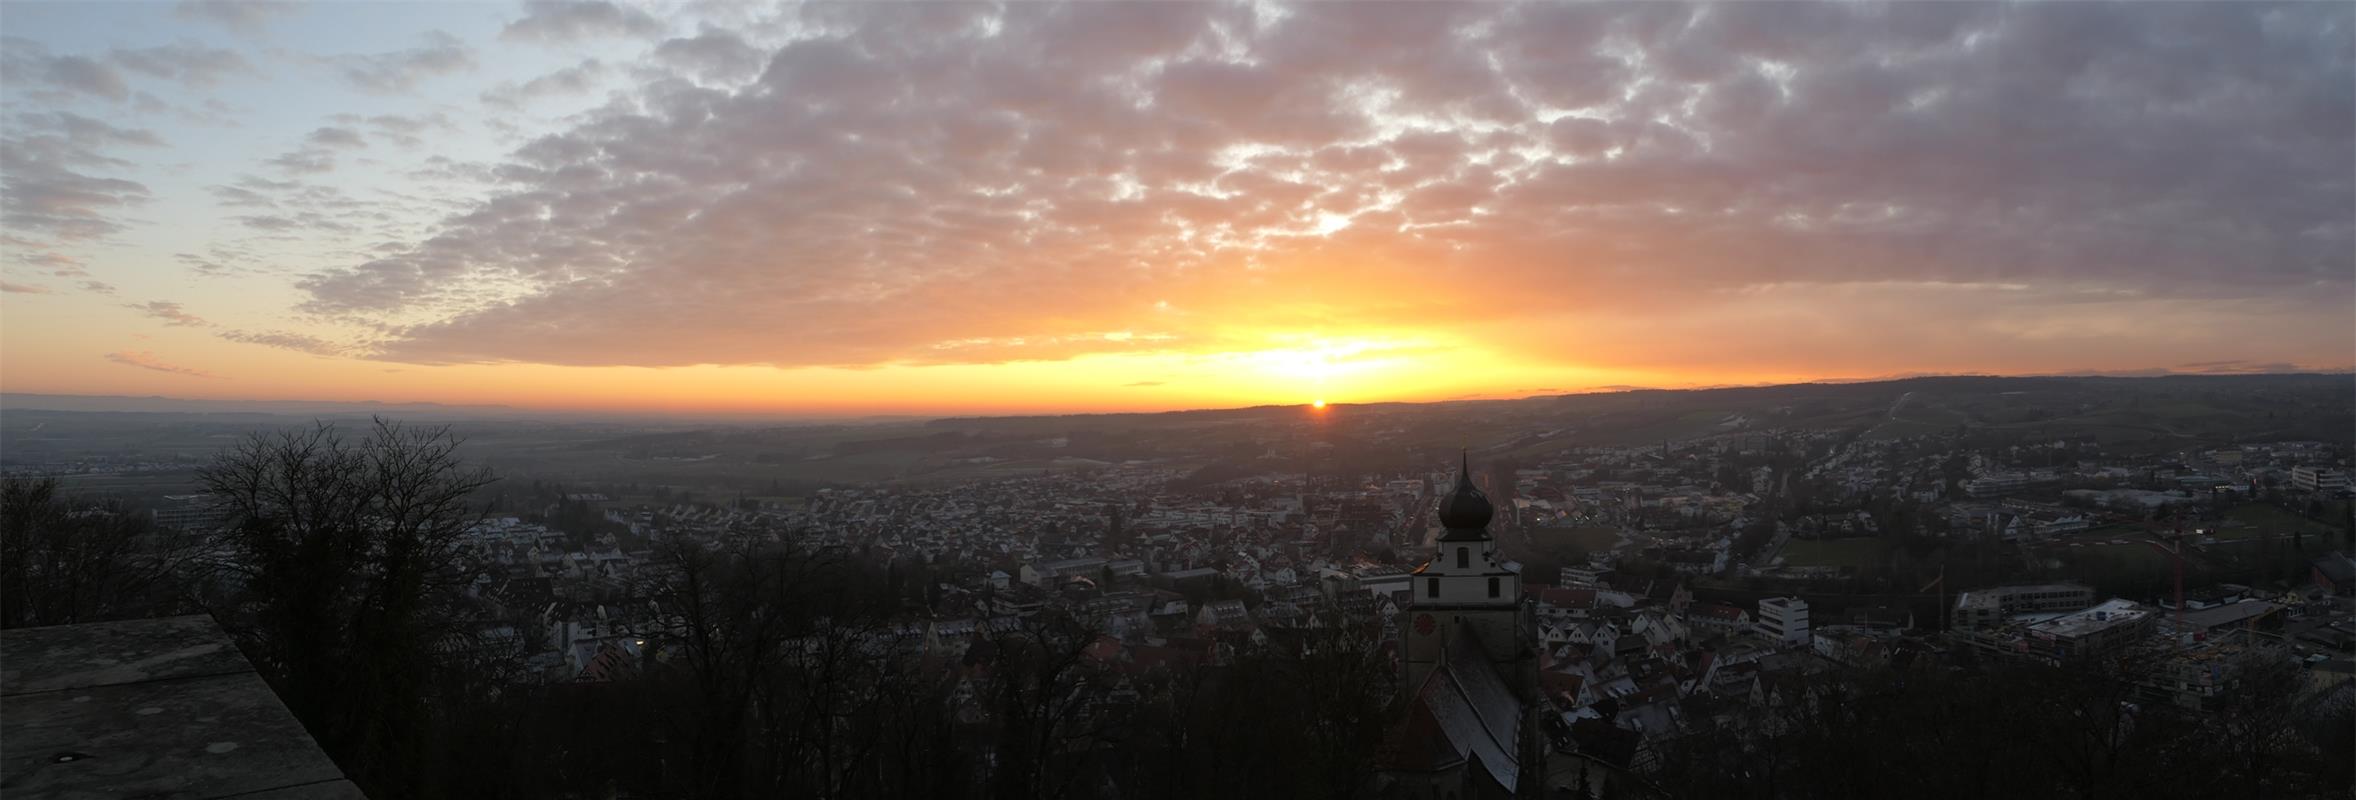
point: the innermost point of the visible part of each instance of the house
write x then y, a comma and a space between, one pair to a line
1659, 627
1568, 692
2335, 574
1224, 615
1714, 618
1557, 604
1603, 635
1047, 573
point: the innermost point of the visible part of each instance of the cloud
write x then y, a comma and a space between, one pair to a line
46, 181
298, 222
98, 287
170, 313
209, 267
336, 137
401, 70
316, 155
713, 55
185, 63
307, 160
86, 75
408, 131
27, 63
89, 134
954, 183
575, 79
58, 265
247, 17
22, 288
555, 21
288, 341
241, 197
147, 360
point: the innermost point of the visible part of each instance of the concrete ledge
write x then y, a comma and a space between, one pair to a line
155, 708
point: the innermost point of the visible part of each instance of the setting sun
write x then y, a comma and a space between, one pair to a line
927, 356
460, 211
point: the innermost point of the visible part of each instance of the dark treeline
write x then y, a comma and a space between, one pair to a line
768, 669
771, 673
774, 669
64, 561
2010, 729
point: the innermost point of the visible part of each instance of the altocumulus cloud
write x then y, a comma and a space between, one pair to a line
566, 20
147, 360
171, 313
249, 17
895, 177
287, 340
398, 71
53, 179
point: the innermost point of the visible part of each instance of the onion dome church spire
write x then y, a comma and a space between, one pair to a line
1465, 511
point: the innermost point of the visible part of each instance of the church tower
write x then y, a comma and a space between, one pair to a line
1466, 591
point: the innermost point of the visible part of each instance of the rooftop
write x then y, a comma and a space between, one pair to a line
2230, 614
2109, 613
149, 708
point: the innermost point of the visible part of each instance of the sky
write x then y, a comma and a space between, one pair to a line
970, 208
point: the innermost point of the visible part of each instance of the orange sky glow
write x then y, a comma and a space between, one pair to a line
865, 209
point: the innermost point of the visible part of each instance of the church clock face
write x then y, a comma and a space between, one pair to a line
1424, 624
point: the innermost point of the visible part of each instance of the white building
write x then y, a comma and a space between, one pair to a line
1984, 607
2318, 479
1784, 620
1587, 575
1996, 484
1465, 589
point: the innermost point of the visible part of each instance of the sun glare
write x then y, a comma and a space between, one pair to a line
1318, 403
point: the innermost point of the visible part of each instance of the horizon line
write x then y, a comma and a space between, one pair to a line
841, 417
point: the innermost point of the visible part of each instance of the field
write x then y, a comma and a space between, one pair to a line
2135, 554
1860, 552
2255, 520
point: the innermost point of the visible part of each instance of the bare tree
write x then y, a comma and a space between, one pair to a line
1345, 681
344, 568
724, 615
63, 562
1043, 698
2255, 724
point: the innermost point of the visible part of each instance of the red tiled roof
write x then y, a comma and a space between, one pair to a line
1561, 685
1715, 610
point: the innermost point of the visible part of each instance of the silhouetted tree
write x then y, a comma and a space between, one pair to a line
64, 562
344, 574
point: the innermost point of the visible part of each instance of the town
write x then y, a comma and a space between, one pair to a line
627, 400
1661, 589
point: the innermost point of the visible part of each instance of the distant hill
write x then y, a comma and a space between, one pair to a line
757, 457
19, 401
2171, 409
2163, 412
